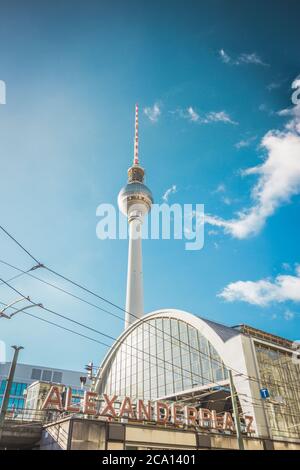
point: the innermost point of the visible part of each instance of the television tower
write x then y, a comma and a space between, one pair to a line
135, 201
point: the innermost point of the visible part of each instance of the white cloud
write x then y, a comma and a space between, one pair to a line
263, 107
252, 58
226, 200
221, 188
265, 291
207, 118
192, 114
243, 58
169, 191
224, 56
278, 180
266, 109
273, 86
296, 82
244, 143
219, 116
294, 113
288, 315
286, 266
153, 112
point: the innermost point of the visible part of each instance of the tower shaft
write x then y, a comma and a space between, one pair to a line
134, 292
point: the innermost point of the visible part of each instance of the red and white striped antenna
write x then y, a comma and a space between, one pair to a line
136, 137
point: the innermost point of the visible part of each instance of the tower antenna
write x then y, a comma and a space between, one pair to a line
136, 136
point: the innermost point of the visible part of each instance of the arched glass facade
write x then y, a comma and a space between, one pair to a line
160, 357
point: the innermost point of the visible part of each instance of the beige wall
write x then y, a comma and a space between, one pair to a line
160, 436
286, 446
230, 442
88, 435
91, 435
115, 446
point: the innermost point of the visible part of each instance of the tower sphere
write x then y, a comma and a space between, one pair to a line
135, 196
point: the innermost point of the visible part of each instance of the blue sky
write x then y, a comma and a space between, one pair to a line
213, 82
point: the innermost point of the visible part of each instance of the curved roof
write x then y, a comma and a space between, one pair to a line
217, 334
225, 332
231, 345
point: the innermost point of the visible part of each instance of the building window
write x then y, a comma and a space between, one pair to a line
2, 386
47, 375
17, 388
57, 377
16, 403
36, 374
280, 375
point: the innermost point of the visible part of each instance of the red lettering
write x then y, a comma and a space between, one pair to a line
143, 411
204, 418
109, 405
69, 406
89, 403
190, 414
126, 408
175, 419
53, 399
162, 418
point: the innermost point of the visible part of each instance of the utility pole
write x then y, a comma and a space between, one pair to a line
8, 387
236, 413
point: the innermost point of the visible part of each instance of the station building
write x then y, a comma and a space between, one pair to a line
174, 356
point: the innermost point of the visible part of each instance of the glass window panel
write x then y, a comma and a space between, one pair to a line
36, 374
163, 365
2, 387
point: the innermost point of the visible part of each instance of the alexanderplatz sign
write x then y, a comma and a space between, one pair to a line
142, 410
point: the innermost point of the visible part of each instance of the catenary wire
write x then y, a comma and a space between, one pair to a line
100, 297
111, 313
160, 361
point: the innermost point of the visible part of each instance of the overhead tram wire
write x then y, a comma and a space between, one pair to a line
113, 314
60, 289
109, 346
13, 278
69, 280
104, 299
108, 312
104, 334
116, 340
104, 310
39, 264
58, 274
20, 245
112, 338
100, 308
150, 325
258, 405
104, 344
62, 327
